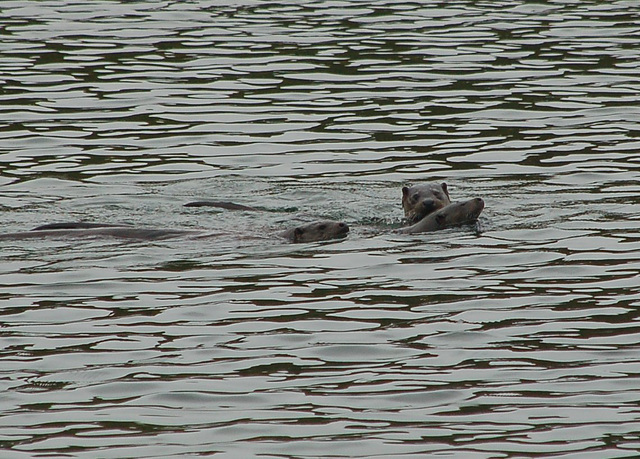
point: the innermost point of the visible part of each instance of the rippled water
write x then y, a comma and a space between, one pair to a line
517, 337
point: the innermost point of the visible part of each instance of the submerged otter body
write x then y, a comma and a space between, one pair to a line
75, 225
457, 213
311, 232
221, 205
89, 230
421, 200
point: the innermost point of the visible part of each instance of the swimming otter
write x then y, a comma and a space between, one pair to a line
311, 232
316, 231
75, 225
221, 205
419, 201
454, 214
80, 229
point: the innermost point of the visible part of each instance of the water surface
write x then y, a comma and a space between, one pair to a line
515, 337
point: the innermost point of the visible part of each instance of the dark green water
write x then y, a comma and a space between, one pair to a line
515, 338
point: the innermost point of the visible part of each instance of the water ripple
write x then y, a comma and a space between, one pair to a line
513, 337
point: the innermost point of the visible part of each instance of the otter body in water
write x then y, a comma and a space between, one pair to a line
88, 230
317, 231
221, 205
457, 213
75, 225
421, 200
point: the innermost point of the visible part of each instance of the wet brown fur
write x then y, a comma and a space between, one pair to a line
316, 231
421, 200
311, 232
457, 213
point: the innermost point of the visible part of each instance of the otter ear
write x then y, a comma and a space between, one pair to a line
440, 219
444, 188
297, 234
405, 191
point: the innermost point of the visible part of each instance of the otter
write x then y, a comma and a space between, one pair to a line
312, 232
221, 205
317, 231
421, 200
75, 225
457, 213
81, 229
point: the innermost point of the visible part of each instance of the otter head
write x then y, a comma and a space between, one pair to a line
317, 231
419, 201
472, 209
459, 213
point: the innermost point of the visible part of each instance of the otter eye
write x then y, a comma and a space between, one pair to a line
438, 195
323, 227
415, 197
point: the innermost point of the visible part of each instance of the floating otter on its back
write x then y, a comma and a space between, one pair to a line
454, 214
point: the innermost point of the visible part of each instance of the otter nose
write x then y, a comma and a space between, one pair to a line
479, 202
428, 203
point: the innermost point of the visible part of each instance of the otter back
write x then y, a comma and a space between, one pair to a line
311, 232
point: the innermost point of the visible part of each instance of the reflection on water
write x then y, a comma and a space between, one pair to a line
515, 337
